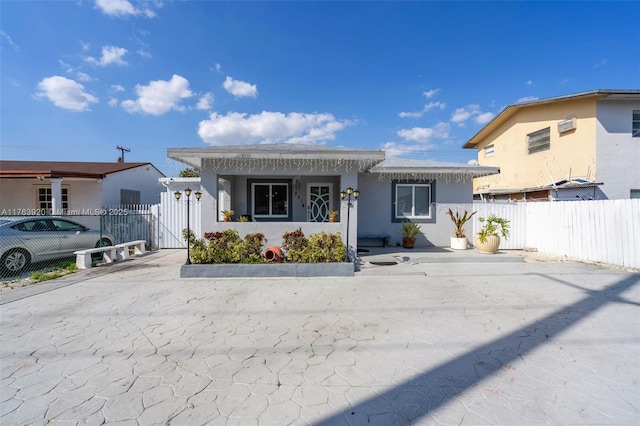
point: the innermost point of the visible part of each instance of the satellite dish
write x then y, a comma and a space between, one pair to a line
472, 162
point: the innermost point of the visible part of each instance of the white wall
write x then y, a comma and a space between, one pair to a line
617, 153
143, 179
22, 193
375, 210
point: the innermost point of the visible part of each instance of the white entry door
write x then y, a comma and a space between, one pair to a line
319, 201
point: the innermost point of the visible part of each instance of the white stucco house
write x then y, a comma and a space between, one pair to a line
39, 187
282, 187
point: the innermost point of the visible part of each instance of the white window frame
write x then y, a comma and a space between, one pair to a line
635, 124
489, 151
46, 205
539, 141
270, 185
413, 186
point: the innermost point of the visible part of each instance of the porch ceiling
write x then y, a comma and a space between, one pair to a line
276, 155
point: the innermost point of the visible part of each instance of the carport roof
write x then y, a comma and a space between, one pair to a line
63, 169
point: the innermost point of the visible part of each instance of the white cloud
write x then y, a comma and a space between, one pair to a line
205, 102
113, 102
269, 127
110, 55
240, 89
65, 93
85, 46
160, 96
144, 53
527, 99
83, 76
425, 134
6, 37
394, 149
218, 67
117, 88
529, 83
461, 115
122, 9
430, 93
410, 114
432, 105
484, 118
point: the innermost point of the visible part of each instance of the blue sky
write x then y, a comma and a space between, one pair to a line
418, 79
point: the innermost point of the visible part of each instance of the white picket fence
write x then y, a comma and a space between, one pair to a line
605, 231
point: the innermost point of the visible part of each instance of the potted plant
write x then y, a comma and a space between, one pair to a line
228, 215
332, 215
459, 239
409, 231
487, 240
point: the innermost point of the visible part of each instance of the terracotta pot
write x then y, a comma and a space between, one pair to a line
272, 254
227, 219
459, 243
408, 242
332, 219
490, 246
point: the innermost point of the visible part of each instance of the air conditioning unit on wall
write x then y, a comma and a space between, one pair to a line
567, 125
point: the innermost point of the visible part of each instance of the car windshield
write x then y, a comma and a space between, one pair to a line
63, 225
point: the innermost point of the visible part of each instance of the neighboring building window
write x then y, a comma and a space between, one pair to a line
488, 151
412, 200
539, 141
129, 197
44, 199
635, 126
635, 193
270, 200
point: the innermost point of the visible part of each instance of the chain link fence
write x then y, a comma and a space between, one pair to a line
38, 243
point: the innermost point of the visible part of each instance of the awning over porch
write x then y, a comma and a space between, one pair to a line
281, 157
403, 169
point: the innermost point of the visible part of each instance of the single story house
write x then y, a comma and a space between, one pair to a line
82, 188
282, 187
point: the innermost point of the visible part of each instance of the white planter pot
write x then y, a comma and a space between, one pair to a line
490, 246
459, 243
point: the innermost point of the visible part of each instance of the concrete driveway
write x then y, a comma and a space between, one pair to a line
439, 338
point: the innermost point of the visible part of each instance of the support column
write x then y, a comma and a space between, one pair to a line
56, 196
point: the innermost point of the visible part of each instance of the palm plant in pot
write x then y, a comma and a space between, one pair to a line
487, 240
409, 231
459, 239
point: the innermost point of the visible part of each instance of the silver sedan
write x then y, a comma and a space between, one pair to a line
35, 239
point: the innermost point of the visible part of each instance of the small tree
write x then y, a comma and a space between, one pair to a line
189, 172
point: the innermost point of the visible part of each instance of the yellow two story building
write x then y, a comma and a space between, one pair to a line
580, 146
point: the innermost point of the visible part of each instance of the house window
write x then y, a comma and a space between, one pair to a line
488, 151
412, 200
635, 126
44, 199
270, 199
539, 141
634, 193
129, 197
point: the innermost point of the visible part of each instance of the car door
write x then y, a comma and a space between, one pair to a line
36, 236
72, 236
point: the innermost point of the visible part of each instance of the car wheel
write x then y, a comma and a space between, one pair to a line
15, 261
104, 243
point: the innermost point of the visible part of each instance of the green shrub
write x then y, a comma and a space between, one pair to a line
320, 247
227, 247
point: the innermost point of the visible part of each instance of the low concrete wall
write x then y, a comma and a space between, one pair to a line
268, 270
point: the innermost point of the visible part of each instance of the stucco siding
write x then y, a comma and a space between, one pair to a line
143, 179
23, 193
572, 152
617, 153
375, 210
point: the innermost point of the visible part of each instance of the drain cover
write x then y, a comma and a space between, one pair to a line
383, 263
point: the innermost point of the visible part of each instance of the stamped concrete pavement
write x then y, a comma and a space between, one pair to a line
478, 340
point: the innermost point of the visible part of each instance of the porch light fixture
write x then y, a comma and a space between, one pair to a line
198, 195
348, 195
